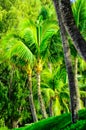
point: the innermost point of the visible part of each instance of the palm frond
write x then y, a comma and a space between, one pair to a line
20, 50
28, 34
48, 30
79, 11
82, 94
64, 95
15, 48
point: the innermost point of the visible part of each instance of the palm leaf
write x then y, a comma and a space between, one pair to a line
79, 11
28, 33
13, 47
48, 30
22, 51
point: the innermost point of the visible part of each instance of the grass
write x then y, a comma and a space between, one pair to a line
3, 128
62, 122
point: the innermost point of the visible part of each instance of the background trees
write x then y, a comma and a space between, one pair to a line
32, 62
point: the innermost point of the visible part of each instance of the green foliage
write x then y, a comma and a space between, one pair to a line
13, 90
1, 122
80, 125
28, 30
79, 12
50, 123
62, 122
3, 128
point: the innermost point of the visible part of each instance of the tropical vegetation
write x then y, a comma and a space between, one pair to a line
42, 64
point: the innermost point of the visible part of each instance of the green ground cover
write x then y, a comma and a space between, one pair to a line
62, 122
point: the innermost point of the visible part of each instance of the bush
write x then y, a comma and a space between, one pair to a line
80, 125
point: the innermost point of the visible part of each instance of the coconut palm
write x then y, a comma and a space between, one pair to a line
43, 31
18, 53
54, 83
67, 55
69, 23
34, 35
79, 13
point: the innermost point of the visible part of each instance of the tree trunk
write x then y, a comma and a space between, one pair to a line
42, 106
51, 98
68, 21
10, 93
76, 82
85, 102
51, 106
14, 124
32, 106
50, 67
71, 78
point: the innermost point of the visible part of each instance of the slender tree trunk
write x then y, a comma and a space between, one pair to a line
71, 79
76, 82
41, 102
51, 106
32, 106
14, 124
68, 21
10, 84
51, 98
39, 69
50, 67
85, 102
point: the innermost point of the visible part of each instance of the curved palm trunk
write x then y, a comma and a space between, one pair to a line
68, 21
71, 79
32, 106
42, 106
76, 82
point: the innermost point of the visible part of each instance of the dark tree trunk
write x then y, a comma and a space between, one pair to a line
67, 55
69, 23
10, 93
85, 102
32, 106
51, 106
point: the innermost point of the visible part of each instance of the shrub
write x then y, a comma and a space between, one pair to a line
80, 125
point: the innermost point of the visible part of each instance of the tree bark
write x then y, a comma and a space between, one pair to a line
41, 102
51, 98
76, 82
68, 62
51, 106
69, 23
10, 93
32, 106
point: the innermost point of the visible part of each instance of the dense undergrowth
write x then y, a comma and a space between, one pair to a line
62, 122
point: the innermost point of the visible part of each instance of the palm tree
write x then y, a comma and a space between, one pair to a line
36, 36
69, 23
79, 12
32, 106
67, 55
54, 84
18, 53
